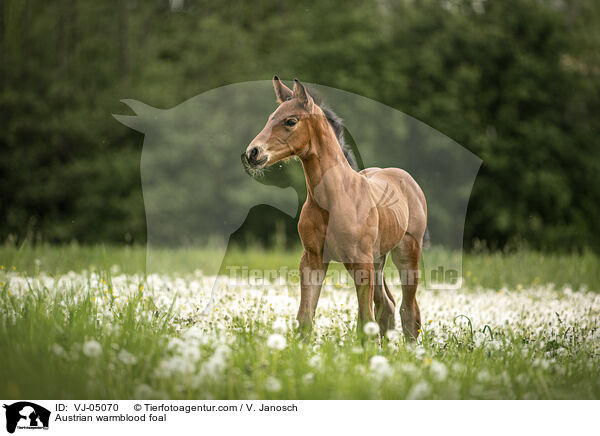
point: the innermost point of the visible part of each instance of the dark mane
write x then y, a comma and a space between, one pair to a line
338, 128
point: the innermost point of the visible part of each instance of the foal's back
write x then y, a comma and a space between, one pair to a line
400, 202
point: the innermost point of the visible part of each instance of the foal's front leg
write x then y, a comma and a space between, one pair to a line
312, 274
363, 275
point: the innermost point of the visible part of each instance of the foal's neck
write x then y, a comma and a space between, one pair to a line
326, 169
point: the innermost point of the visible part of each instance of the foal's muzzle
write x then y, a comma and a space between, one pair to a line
251, 158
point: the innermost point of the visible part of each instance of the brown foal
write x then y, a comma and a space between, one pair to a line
357, 218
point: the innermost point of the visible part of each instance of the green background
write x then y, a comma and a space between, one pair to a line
515, 82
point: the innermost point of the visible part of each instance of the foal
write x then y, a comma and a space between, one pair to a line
349, 217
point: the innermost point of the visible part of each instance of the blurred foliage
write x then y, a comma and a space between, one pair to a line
515, 82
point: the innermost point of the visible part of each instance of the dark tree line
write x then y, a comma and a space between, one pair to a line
516, 82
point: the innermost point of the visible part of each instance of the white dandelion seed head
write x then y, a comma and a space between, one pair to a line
380, 366
276, 342
308, 378
371, 328
438, 371
393, 336
315, 361
280, 326
58, 350
272, 384
419, 391
92, 348
127, 358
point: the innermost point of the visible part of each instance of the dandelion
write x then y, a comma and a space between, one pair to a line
483, 376
371, 328
92, 348
58, 350
272, 384
127, 358
438, 370
280, 326
458, 367
276, 342
308, 378
315, 361
419, 391
393, 336
420, 352
380, 367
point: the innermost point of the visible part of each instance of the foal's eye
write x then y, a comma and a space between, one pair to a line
290, 122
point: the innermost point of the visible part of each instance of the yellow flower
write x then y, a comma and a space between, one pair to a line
427, 361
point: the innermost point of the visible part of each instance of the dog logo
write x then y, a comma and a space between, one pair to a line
26, 415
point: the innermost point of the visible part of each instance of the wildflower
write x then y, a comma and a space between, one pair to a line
483, 376
127, 358
458, 367
315, 361
393, 335
276, 341
92, 348
280, 326
419, 391
58, 350
420, 352
371, 329
438, 370
380, 366
308, 378
272, 384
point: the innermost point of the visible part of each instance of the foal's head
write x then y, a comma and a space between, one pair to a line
288, 129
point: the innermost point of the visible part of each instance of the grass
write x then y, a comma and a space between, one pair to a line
524, 325
486, 269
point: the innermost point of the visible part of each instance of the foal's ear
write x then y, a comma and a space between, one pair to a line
282, 92
303, 96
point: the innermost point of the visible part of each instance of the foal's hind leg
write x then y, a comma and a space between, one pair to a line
384, 305
406, 257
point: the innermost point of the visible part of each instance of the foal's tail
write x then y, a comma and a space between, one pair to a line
389, 294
